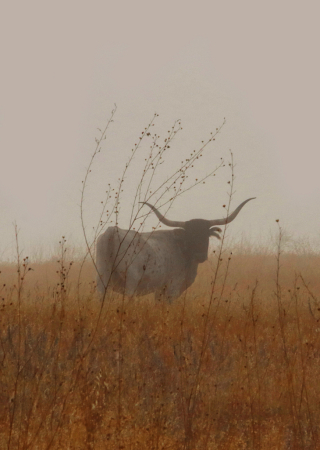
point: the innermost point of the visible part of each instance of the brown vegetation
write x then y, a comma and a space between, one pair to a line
135, 374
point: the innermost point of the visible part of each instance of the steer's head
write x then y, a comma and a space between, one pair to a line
198, 231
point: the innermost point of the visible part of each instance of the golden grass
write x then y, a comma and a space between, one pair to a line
138, 374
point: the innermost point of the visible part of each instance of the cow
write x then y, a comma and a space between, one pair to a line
163, 262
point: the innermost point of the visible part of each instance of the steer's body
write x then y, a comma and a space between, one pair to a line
143, 263
160, 262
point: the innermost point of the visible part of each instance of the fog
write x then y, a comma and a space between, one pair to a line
64, 66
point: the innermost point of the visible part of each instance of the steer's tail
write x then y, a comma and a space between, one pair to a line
104, 260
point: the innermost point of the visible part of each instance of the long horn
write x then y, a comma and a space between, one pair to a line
231, 217
169, 223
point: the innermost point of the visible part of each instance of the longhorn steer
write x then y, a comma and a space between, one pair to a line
159, 261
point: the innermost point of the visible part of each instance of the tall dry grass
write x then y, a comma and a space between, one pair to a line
150, 376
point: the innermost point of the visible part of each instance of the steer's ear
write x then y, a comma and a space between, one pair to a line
179, 234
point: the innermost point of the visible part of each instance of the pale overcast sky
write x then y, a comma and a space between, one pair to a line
65, 64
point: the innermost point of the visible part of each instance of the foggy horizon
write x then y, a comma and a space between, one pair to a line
254, 65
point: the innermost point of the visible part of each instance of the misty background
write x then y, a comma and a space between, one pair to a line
65, 65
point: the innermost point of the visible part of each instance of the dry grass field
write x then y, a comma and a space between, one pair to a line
233, 364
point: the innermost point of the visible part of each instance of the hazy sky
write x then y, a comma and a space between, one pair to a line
65, 64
